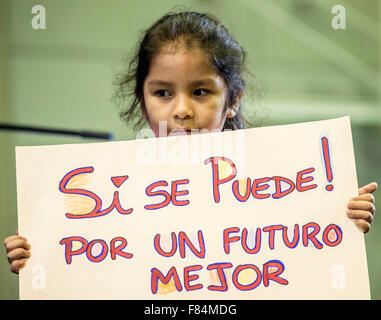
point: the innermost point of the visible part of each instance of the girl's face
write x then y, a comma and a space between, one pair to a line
182, 89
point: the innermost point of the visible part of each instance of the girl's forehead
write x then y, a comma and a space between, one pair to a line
172, 58
194, 54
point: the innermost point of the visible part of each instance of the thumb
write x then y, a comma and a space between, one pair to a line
369, 188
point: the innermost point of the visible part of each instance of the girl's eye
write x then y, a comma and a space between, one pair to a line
201, 92
162, 93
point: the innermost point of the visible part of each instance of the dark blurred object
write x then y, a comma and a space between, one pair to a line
82, 134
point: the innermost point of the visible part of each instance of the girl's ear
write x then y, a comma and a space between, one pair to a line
233, 109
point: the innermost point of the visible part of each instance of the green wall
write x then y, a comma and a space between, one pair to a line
62, 77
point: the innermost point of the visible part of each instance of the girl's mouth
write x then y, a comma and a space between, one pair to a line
184, 131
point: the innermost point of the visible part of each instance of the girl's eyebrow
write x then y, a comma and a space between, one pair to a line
207, 81
159, 83
203, 82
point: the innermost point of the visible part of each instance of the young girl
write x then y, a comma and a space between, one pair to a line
188, 72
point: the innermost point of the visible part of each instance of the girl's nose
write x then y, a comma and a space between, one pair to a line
183, 109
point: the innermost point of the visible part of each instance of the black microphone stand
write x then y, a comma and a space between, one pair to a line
82, 134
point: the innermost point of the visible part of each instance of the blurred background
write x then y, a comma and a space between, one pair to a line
62, 77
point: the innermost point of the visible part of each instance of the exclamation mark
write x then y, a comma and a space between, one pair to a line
327, 163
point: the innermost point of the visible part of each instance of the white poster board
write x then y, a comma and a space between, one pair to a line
251, 214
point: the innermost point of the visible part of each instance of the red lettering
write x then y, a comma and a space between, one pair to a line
256, 187
117, 250
68, 242
339, 235
188, 278
236, 190
251, 286
221, 275
103, 253
87, 247
96, 212
176, 193
311, 236
216, 178
278, 189
98, 203
271, 230
296, 237
300, 180
274, 275
160, 250
257, 241
183, 238
116, 204
271, 272
165, 194
227, 239
156, 275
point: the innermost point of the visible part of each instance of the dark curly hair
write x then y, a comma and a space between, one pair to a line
188, 28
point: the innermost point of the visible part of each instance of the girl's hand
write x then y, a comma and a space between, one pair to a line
17, 251
362, 208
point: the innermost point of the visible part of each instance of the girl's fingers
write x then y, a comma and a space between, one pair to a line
363, 225
17, 254
360, 214
17, 243
362, 205
369, 188
365, 197
17, 265
362, 208
11, 238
